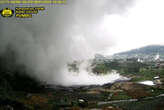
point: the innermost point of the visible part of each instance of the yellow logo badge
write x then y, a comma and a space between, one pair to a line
7, 12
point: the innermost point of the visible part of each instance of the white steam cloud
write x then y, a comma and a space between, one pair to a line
86, 77
63, 33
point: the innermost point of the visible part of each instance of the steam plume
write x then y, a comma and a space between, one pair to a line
60, 34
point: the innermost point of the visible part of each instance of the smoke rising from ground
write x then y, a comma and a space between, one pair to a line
63, 33
85, 76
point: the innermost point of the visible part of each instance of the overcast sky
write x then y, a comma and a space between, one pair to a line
141, 25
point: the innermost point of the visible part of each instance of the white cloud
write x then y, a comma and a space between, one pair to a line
141, 25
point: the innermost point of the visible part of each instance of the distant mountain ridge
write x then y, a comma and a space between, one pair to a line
149, 51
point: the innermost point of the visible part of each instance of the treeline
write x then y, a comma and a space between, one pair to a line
122, 67
142, 71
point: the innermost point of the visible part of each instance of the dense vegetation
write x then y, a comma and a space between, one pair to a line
123, 67
143, 71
